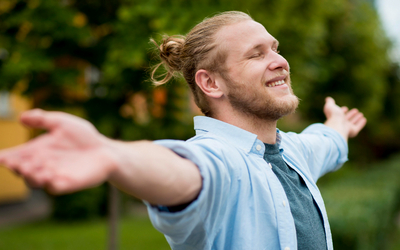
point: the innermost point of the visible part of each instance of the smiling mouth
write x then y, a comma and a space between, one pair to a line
276, 83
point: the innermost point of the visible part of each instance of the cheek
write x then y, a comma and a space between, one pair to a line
254, 74
248, 73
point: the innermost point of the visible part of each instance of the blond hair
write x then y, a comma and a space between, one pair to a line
198, 50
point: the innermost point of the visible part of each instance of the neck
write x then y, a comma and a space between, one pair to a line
264, 129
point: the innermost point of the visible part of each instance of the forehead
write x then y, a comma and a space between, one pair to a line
243, 36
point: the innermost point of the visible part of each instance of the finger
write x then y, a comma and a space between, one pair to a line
5, 153
62, 185
356, 128
11, 158
344, 109
356, 118
352, 113
57, 187
40, 177
38, 118
25, 168
65, 182
16, 155
57, 179
329, 106
51, 120
360, 123
329, 101
36, 163
4, 157
42, 172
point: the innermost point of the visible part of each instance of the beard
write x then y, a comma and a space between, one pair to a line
261, 104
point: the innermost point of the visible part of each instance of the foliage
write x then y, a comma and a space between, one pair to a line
363, 206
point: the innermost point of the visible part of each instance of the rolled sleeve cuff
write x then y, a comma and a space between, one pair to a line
178, 225
337, 138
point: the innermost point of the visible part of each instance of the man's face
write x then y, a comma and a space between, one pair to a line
256, 77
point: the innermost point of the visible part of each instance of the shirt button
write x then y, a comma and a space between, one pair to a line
287, 248
258, 147
284, 204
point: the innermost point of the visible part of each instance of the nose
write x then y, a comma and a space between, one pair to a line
278, 62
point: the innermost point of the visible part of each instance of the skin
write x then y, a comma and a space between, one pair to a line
73, 156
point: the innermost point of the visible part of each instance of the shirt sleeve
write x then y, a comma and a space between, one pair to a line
202, 213
324, 149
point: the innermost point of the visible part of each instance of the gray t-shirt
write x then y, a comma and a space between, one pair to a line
307, 217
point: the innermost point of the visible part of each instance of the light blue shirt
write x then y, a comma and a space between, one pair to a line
242, 204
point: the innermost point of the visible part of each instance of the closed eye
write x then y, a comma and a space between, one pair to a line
257, 55
276, 50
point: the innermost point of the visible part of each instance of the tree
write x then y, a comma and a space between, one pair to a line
92, 58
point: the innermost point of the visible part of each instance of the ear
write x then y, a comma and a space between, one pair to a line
208, 84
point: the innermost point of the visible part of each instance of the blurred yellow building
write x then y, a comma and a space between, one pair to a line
12, 187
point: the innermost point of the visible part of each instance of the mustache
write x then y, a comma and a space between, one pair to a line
283, 74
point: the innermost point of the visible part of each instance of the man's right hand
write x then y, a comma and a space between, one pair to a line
73, 155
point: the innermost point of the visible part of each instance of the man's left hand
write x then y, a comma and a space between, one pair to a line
347, 122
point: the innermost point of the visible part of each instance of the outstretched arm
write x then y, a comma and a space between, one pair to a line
73, 156
347, 122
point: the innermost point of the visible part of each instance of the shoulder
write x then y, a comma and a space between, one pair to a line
205, 150
314, 135
197, 145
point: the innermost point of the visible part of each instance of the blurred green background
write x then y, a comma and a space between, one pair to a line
92, 59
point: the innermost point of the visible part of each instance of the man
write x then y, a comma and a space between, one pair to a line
239, 183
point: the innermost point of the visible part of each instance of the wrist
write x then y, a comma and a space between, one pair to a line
121, 157
339, 126
110, 156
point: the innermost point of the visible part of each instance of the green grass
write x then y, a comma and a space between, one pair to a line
134, 233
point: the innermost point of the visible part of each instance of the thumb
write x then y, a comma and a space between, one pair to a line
329, 105
329, 101
38, 118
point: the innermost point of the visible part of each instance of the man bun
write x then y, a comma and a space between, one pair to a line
170, 53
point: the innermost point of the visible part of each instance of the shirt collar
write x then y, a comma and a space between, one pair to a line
235, 135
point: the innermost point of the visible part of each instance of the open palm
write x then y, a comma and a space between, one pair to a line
71, 156
347, 122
